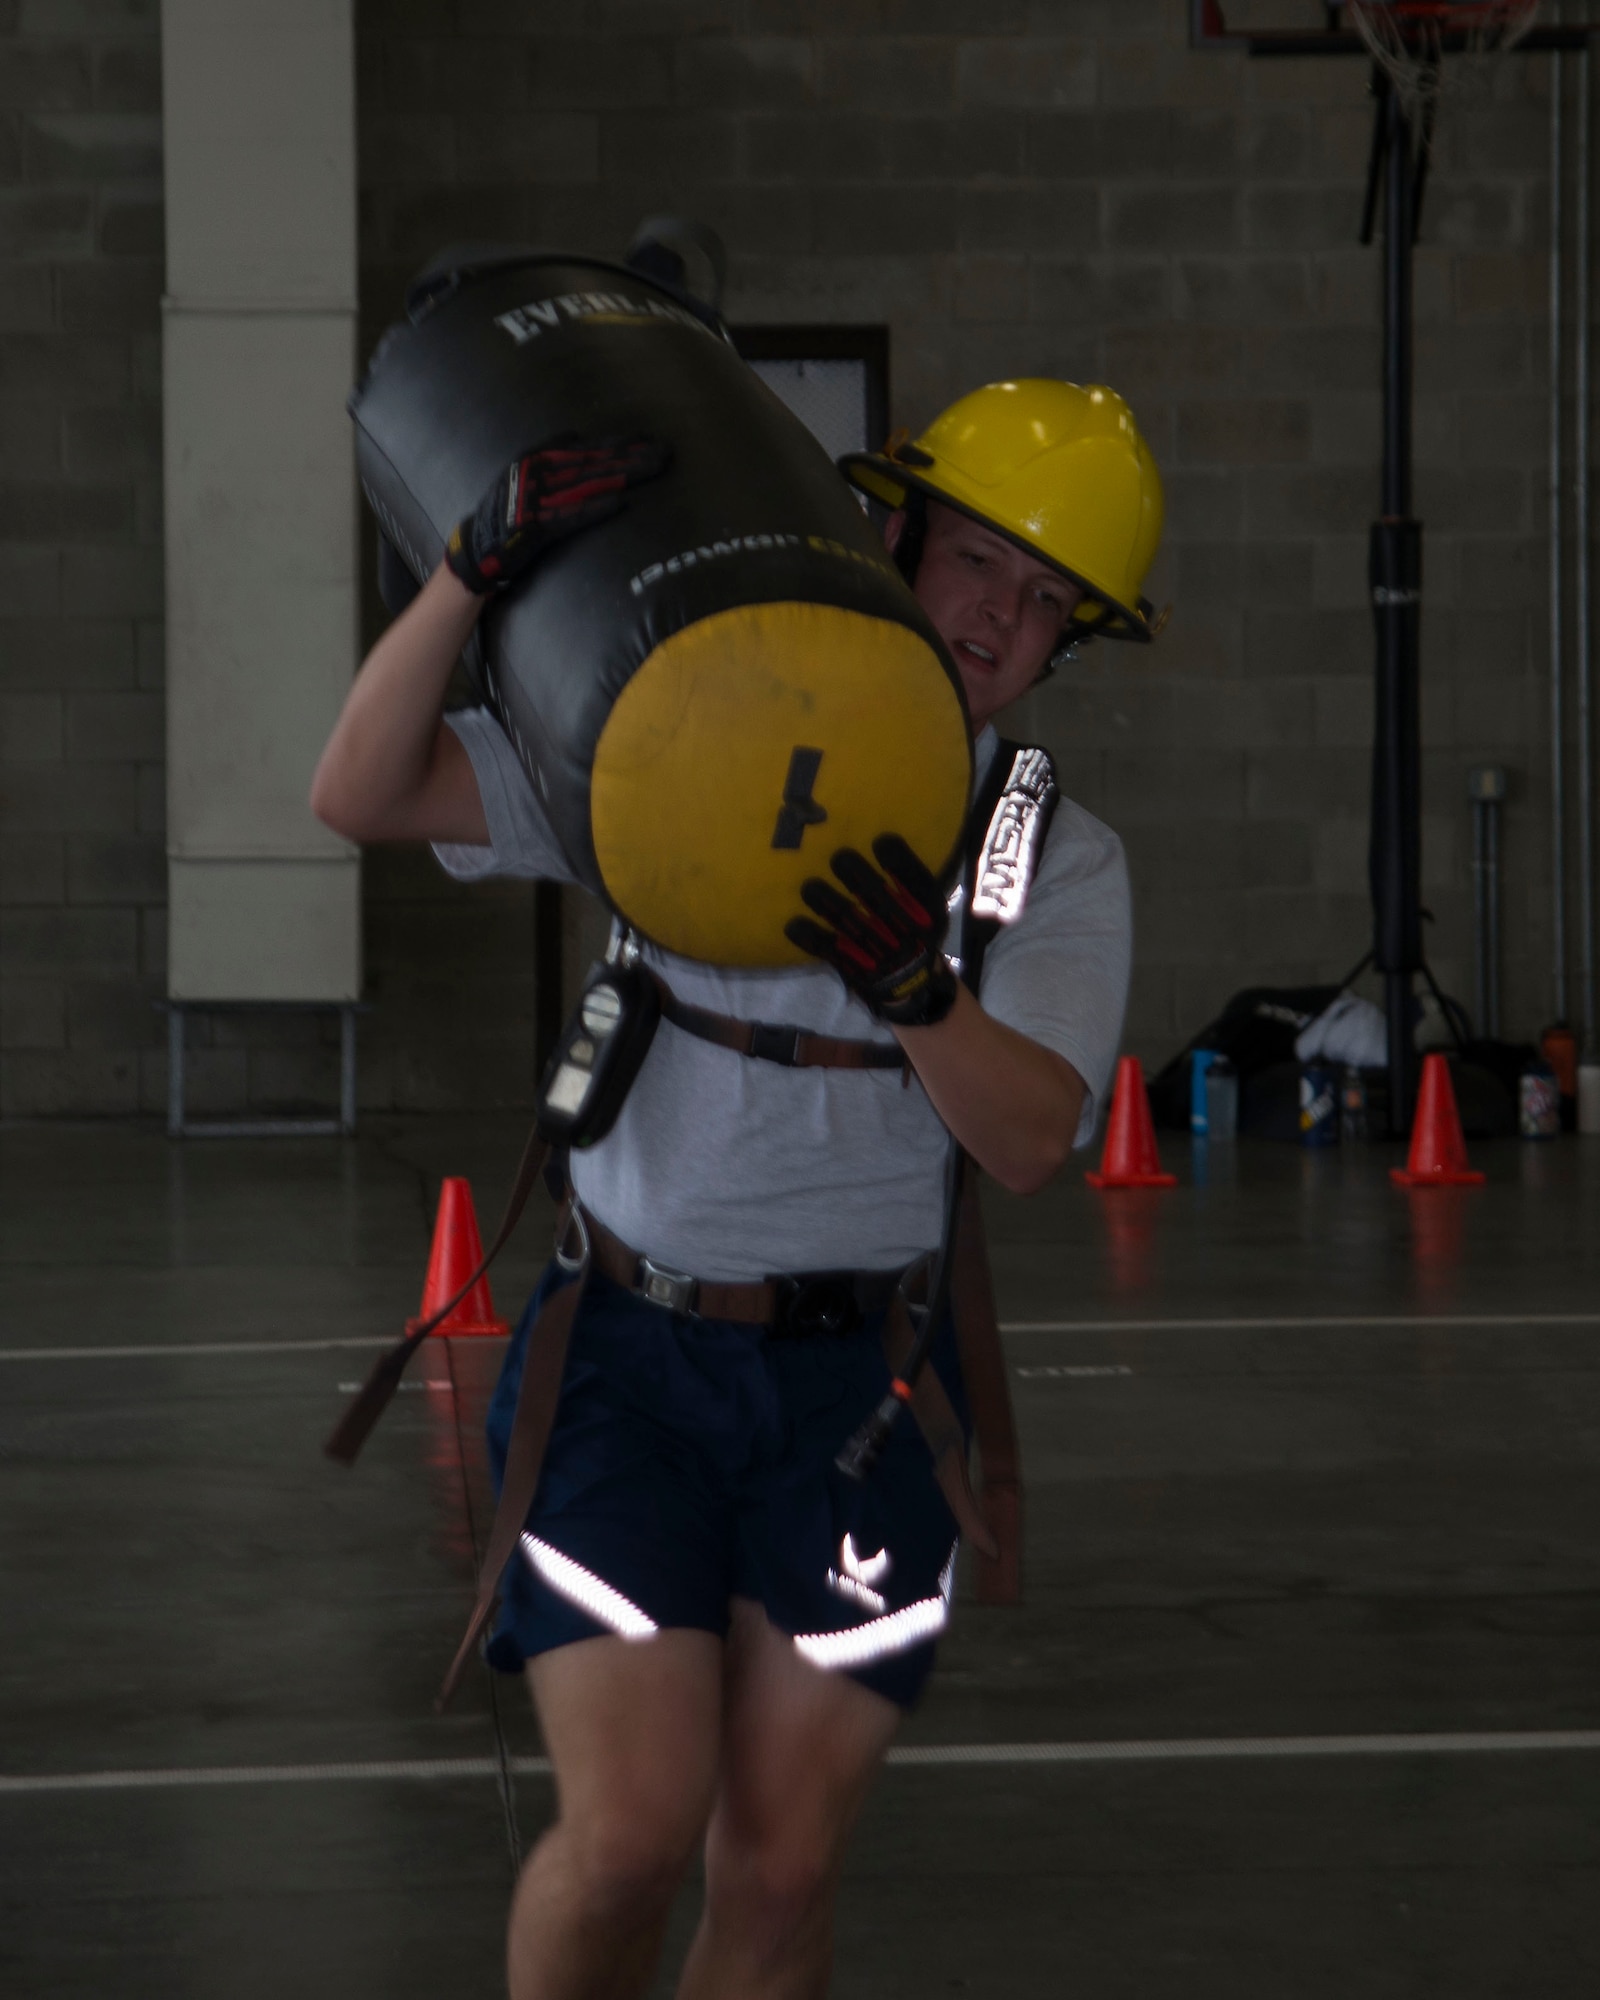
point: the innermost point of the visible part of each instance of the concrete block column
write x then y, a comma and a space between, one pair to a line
261, 570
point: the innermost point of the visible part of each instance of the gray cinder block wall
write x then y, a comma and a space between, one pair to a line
1011, 187
82, 867
1026, 187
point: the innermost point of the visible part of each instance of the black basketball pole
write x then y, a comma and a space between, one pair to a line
1394, 856
1398, 167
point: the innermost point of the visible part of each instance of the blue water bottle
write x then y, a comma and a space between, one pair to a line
1199, 1118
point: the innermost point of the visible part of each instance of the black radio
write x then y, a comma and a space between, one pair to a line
601, 1051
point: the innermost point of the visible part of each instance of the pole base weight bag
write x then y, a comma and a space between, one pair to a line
724, 683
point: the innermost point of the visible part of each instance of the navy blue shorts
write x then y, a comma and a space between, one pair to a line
691, 1462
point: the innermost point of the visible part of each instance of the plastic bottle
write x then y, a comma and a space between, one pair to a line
1538, 1102
1559, 1047
1222, 1099
1200, 1061
1353, 1122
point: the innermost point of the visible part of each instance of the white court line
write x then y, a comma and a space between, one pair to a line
1308, 1323
1303, 1323
1076, 1371
434, 1384
263, 1774
174, 1348
1228, 1749
1181, 1750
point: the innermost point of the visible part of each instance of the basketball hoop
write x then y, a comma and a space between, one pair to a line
1409, 40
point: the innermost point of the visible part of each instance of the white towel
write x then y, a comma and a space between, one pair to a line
1350, 1031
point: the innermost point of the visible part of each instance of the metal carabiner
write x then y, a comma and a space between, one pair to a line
573, 1265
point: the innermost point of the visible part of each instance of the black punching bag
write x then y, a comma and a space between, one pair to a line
717, 688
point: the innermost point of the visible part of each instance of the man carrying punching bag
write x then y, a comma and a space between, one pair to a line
719, 1627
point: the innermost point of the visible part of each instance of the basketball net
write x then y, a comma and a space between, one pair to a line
1410, 39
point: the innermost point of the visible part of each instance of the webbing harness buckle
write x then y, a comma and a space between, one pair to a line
675, 1290
774, 1042
825, 1305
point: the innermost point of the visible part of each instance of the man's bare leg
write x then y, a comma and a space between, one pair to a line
632, 1729
799, 1751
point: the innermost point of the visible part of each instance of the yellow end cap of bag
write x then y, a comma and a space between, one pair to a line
1058, 468
748, 748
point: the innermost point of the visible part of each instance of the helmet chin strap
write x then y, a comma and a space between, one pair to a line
907, 551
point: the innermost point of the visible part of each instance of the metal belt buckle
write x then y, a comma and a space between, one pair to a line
675, 1290
822, 1306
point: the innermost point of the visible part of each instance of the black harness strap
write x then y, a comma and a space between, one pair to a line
769, 1041
1006, 832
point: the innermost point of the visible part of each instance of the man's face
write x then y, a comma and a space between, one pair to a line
1000, 610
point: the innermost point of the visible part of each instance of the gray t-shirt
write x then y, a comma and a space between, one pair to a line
732, 1168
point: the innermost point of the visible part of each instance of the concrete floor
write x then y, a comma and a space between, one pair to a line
1307, 1458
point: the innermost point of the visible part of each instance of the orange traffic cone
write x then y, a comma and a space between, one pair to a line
1438, 1150
457, 1252
1130, 1158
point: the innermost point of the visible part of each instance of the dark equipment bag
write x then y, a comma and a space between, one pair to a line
1257, 1031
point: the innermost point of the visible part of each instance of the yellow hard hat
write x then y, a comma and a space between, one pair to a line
1058, 469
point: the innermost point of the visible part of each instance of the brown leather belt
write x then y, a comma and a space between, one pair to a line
797, 1306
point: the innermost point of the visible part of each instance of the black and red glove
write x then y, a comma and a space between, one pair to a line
542, 497
887, 933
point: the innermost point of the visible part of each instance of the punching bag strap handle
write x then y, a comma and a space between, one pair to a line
662, 232
377, 1392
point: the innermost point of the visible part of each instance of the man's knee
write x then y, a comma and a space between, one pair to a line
626, 1866
770, 1889
633, 1735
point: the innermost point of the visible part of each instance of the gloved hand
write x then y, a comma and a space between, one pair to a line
542, 497
886, 935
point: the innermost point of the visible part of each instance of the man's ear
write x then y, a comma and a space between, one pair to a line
893, 529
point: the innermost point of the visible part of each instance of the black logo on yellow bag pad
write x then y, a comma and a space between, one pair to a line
799, 809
